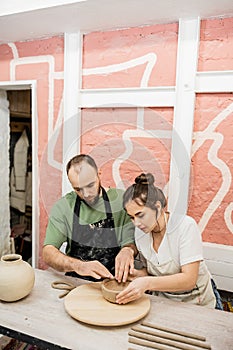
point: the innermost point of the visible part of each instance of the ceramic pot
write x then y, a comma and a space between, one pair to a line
17, 277
110, 289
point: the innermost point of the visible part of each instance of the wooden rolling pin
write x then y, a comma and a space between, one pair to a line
149, 344
163, 341
170, 336
169, 330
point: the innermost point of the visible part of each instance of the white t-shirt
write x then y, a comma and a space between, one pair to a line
182, 242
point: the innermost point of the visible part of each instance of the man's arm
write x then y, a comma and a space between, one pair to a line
61, 262
132, 247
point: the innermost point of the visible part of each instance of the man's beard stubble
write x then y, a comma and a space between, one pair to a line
95, 199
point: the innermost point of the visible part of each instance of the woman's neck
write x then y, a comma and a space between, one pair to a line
158, 235
161, 226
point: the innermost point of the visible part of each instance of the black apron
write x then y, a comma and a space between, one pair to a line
95, 241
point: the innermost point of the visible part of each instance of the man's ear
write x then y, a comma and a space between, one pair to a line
99, 173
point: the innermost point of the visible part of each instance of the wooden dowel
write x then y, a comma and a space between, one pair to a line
171, 336
169, 330
149, 344
163, 341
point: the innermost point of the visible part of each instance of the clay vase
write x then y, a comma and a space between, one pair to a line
17, 277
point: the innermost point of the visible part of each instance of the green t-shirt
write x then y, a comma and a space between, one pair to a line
60, 225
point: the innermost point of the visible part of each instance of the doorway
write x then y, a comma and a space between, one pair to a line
20, 159
24, 209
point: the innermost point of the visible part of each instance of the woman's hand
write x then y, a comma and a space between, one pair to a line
134, 291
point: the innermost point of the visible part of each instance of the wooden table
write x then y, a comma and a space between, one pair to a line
41, 319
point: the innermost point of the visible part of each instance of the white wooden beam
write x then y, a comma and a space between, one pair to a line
213, 82
128, 97
72, 85
205, 82
188, 44
35, 180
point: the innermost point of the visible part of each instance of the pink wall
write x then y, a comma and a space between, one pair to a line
42, 61
121, 53
211, 198
212, 164
133, 58
108, 48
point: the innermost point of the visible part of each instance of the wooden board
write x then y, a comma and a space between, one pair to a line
85, 303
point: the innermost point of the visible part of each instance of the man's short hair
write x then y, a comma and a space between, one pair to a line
79, 159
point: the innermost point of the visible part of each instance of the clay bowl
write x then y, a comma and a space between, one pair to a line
110, 289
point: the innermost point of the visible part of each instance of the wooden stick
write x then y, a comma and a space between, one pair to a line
171, 336
163, 341
149, 344
169, 330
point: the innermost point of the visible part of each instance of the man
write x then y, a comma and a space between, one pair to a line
98, 232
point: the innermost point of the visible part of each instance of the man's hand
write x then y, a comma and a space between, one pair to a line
61, 262
92, 268
137, 273
124, 263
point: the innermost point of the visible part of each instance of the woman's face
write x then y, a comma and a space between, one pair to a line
143, 217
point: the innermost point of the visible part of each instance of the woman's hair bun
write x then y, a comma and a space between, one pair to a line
145, 179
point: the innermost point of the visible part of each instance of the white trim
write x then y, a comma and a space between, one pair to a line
24, 85
35, 178
72, 85
219, 259
16, 84
212, 82
187, 57
161, 96
128, 97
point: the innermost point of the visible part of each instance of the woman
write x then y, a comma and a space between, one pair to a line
171, 246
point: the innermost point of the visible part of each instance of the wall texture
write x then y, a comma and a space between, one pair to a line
122, 53
137, 57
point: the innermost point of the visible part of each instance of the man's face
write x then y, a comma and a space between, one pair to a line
85, 182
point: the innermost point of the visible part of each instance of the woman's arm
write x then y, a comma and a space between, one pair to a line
183, 281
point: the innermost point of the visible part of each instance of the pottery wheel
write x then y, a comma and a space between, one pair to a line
86, 304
